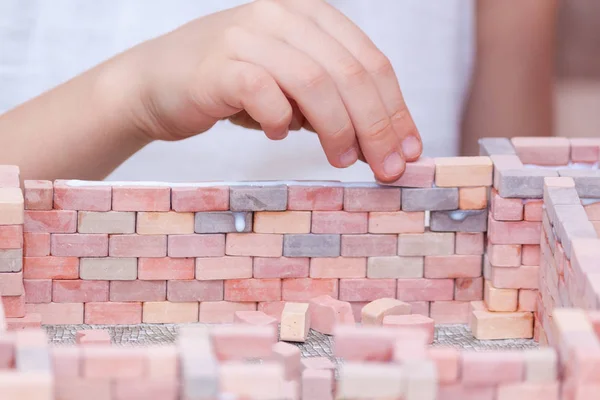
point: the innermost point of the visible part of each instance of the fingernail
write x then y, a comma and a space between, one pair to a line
393, 164
411, 147
282, 134
349, 158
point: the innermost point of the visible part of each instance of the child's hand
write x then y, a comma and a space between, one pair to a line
275, 65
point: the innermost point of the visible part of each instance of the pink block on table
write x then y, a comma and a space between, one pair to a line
113, 362
397, 222
198, 245
272, 308
523, 277
369, 245
137, 198
542, 150
14, 306
529, 390
533, 210
79, 245
339, 222
506, 209
51, 267
338, 267
584, 150
54, 221
304, 289
38, 195
371, 199
425, 289
81, 198
166, 268
194, 290
372, 344
530, 254
138, 246
11, 284
317, 198
113, 313
447, 363
469, 243
327, 312
290, 357
468, 289
492, 367
227, 267
281, 267
418, 174
145, 389
222, 312
519, 232
88, 337
235, 342
450, 312
504, 255
411, 321
254, 244
38, 290
253, 318
57, 313
199, 199
253, 290
79, 291
36, 244
364, 289
11, 236
455, 266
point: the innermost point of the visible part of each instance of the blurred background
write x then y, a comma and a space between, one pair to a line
430, 43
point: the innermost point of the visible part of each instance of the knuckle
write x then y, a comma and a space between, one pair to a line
313, 78
351, 71
253, 81
379, 131
379, 64
346, 132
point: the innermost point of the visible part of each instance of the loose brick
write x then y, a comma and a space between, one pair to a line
256, 318
395, 267
339, 222
368, 343
468, 289
290, 357
317, 198
425, 289
520, 182
282, 267
426, 244
51, 268
311, 245
368, 245
533, 210
469, 243
166, 268
340, 267
36, 244
542, 150
230, 342
295, 322
11, 237
417, 174
81, 198
506, 209
196, 245
160, 223
456, 266
14, 306
55, 221
220, 268
584, 150
450, 312
497, 299
11, 260
166, 312
492, 368
58, 313
188, 291
473, 198
38, 195
504, 255
374, 312
411, 321
79, 245
138, 290
137, 246
241, 378
223, 222
495, 146
38, 290
200, 199
101, 362
109, 268
113, 313
486, 325
521, 232
138, 198
222, 312
463, 171
258, 198
304, 289
366, 289
327, 312
11, 283
253, 290
459, 221
371, 199
430, 199
106, 222
79, 291
397, 222
523, 277
254, 244
282, 222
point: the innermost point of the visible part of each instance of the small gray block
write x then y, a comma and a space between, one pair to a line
312, 245
11, 260
526, 183
108, 268
572, 223
495, 146
258, 198
430, 199
587, 181
221, 222
459, 221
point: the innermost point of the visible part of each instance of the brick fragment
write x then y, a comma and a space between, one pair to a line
79, 245
304, 289
426, 244
374, 312
113, 313
430, 199
223, 222
106, 222
139, 198
456, 266
425, 289
79, 291
317, 198
542, 150
108, 269
11, 260
137, 290
394, 267
311, 245
137, 246
363, 289
459, 221
254, 244
417, 174
11, 237
220, 268
38, 195
253, 290
339, 222
258, 198
295, 322
200, 199
222, 312
340, 267
189, 291
281, 267
411, 321
196, 245
327, 312
473, 198
371, 199
166, 268
166, 312
463, 171
282, 222
368, 245
81, 198
397, 222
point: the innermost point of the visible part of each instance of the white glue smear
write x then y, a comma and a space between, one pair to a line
458, 215
240, 221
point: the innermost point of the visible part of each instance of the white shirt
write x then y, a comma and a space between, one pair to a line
43, 43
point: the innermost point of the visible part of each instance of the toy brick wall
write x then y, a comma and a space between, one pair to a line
117, 254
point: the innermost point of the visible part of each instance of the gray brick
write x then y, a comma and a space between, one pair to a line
587, 182
311, 245
495, 146
106, 222
459, 221
258, 198
426, 244
108, 268
573, 223
526, 183
430, 199
11, 260
222, 222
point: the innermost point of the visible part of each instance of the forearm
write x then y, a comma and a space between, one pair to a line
512, 87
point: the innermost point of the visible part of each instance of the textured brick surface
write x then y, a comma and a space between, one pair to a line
312, 245
222, 222
256, 198
430, 199
371, 199
459, 221
200, 199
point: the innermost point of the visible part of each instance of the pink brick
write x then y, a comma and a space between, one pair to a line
51, 267
79, 291
542, 150
304, 289
418, 174
461, 392
371, 199
527, 299
533, 210
468, 289
79, 388
145, 389
253, 290
14, 306
113, 313
141, 198
327, 312
254, 244
450, 312
503, 209
318, 198
439, 267
196, 245
492, 368
38, 195
425, 289
289, 356
11, 283
282, 267
504, 255
197, 199
55, 221
138, 290
397, 222
282, 222
11, 237
272, 308
523, 277
10, 176
164, 223
79, 245
411, 321
447, 363
166, 312
183, 291
57, 313
219, 268
339, 222
81, 198
258, 318
29, 321
338, 267
419, 307
137, 246
529, 390
369, 245
366, 289
113, 362
520, 232
222, 312
38, 290
36, 244
469, 243
230, 342
166, 268
373, 344
65, 361
530, 254
584, 150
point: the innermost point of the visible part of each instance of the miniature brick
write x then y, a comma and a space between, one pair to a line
463, 171
79, 245
371, 199
26, 385
420, 307
196, 245
318, 363
447, 364
311, 245
455, 266
137, 290
272, 308
486, 325
14, 306
541, 365
106, 222
219, 268
450, 312
38, 290
397, 222
79, 291
144, 388
281, 267
253, 290
187, 291
459, 221
260, 381
295, 322
108, 269
163, 362
36, 244
421, 377
317, 198
258, 318
468, 243
497, 299
492, 368
57, 313
374, 312
506, 209
230, 342
137, 246
30, 321
431, 199
394, 267
468, 289
357, 381
527, 390
258, 198
55, 221
51, 267
426, 244
327, 312
304, 289
10, 176
339, 222
533, 210
530, 254
11, 260
542, 150
160, 223
425, 289
417, 174
65, 361
11, 237
316, 385
254, 244
527, 300
521, 232
495, 146
472, 198
572, 223
222, 312
340, 267
523, 277
113, 313
200, 199
11, 284
366, 289
368, 245
112, 362
364, 343
11, 206
584, 150
138, 198
282, 222
504, 255
166, 268
462, 392
166, 312
38, 195
222, 222
81, 198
